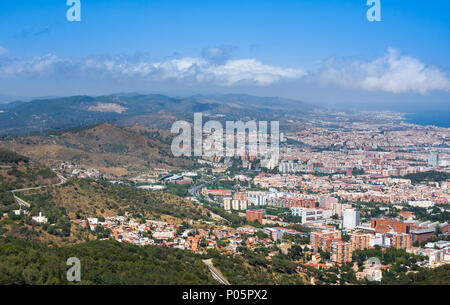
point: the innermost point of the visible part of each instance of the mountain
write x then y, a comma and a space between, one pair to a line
118, 151
151, 110
9, 98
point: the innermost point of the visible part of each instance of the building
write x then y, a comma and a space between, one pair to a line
360, 241
421, 203
433, 160
216, 193
239, 201
163, 234
422, 235
401, 241
311, 215
288, 202
392, 225
255, 215
436, 257
341, 252
350, 218
327, 202
274, 233
287, 167
257, 198
40, 218
322, 239
227, 203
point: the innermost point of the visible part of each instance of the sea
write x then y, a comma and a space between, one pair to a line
440, 118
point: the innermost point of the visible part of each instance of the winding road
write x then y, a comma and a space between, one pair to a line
23, 203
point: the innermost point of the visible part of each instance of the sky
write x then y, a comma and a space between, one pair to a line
323, 52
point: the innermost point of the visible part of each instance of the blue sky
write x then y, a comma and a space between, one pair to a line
320, 51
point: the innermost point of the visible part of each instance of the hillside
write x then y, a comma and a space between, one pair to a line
118, 151
16, 172
151, 110
102, 263
83, 198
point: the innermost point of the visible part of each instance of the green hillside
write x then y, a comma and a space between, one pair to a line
102, 263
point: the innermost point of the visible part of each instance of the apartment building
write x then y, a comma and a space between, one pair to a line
322, 239
401, 241
341, 252
360, 241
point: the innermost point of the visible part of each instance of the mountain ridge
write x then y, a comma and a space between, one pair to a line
155, 110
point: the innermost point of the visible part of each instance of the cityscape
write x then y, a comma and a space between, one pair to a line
233, 148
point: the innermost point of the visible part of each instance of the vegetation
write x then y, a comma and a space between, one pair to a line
102, 263
7, 156
430, 176
357, 171
434, 215
424, 276
253, 268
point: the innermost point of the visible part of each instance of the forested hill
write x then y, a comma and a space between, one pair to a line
16, 172
152, 110
102, 263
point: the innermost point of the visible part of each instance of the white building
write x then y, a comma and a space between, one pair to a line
376, 240
311, 215
227, 203
163, 234
433, 160
257, 198
350, 218
421, 203
287, 167
40, 218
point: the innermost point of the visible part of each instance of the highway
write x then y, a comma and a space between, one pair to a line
194, 190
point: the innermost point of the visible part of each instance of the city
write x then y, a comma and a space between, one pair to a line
224, 152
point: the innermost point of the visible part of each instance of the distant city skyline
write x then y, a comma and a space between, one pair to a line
321, 52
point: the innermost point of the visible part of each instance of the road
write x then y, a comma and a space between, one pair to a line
215, 273
23, 203
194, 190
62, 180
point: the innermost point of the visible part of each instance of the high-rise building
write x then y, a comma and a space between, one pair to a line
350, 218
433, 159
341, 252
327, 202
360, 241
401, 241
227, 203
322, 239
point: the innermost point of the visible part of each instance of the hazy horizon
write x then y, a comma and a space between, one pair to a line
324, 53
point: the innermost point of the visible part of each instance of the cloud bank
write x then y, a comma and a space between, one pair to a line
190, 69
392, 73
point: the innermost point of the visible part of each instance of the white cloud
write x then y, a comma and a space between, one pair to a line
3, 51
391, 73
191, 69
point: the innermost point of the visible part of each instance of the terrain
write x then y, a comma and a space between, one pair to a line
104, 263
118, 151
154, 110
